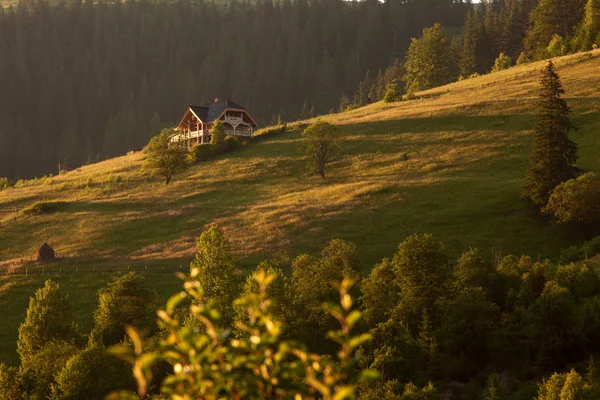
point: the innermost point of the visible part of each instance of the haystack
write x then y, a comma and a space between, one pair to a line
46, 253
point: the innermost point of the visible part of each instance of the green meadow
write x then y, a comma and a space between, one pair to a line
450, 163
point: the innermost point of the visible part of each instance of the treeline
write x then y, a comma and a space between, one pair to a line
95, 79
496, 35
418, 321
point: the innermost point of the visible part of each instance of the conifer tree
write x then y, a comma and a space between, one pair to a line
214, 268
553, 153
588, 33
549, 18
125, 300
502, 62
429, 60
468, 56
217, 136
48, 319
392, 93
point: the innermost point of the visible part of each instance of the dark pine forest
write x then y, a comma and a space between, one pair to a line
83, 81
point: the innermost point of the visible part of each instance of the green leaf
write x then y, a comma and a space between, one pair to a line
368, 375
344, 392
353, 318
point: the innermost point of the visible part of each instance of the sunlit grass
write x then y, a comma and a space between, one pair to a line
450, 164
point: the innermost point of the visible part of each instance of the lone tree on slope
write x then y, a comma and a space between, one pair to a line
553, 155
165, 160
322, 145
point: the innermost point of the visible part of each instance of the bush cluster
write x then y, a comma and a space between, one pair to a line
44, 207
207, 151
578, 253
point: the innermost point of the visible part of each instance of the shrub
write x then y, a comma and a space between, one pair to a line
200, 152
4, 183
577, 253
392, 93
113, 180
576, 200
270, 131
502, 62
44, 207
206, 151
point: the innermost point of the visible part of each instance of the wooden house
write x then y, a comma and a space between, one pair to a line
197, 122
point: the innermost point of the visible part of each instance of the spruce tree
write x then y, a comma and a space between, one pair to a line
588, 33
214, 267
429, 60
553, 153
468, 57
549, 18
48, 319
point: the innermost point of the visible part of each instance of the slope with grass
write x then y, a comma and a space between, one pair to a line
450, 163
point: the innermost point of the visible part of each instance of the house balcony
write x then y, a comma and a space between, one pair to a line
235, 120
239, 132
196, 134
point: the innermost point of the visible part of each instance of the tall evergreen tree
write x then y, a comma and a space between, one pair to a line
468, 56
588, 33
553, 154
552, 17
429, 60
48, 319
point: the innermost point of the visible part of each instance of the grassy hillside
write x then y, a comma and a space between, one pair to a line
450, 163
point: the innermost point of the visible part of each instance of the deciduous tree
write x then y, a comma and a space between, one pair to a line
164, 158
321, 143
576, 200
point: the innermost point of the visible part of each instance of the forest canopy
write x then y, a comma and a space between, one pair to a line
83, 81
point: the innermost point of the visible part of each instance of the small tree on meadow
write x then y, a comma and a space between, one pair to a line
553, 155
321, 142
502, 62
164, 158
217, 135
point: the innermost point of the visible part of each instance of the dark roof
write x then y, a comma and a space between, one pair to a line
45, 252
212, 111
